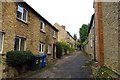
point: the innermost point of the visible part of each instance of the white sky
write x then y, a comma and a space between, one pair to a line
71, 13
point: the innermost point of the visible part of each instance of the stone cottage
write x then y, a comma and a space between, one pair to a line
71, 41
64, 35
24, 29
107, 48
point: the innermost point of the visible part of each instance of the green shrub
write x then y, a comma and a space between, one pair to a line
59, 50
103, 73
72, 49
63, 47
18, 58
85, 42
66, 47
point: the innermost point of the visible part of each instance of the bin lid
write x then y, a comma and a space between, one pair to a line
42, 55
37, 56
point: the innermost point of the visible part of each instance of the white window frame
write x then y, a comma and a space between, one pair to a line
42, 47
49, 49
2, 43
20, 43
54, 34
43, 26
22, 14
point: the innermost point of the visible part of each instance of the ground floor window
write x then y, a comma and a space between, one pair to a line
41, 49
19, 44
49, 49
1, 41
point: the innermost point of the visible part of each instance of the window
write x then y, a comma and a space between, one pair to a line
54, 34
19, 44
42, 26
1, 41
49, 49
22, 14
41, 48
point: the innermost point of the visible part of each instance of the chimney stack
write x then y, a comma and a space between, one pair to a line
63, 27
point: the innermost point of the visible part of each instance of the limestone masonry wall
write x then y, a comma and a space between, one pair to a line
110, 23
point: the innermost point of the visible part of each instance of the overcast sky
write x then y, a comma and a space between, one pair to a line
71, 13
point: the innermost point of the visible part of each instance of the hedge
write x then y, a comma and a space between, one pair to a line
18, 58
59, 50
63, 47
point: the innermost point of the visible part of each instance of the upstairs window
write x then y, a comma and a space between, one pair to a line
54, 34
22, 14
19, 44
42, 26
1, 41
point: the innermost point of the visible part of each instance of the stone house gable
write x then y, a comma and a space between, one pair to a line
64, 35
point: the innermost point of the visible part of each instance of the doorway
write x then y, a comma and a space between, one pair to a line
54, 50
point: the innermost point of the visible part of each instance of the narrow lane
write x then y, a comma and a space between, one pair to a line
69, 67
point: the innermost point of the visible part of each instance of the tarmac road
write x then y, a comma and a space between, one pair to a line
72, 66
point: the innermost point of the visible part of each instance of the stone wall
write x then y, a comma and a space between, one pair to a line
89, 48
119, 36
0, 29
0, 15
110, 24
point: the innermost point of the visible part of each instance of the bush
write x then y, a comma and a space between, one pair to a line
18, 58
72, 49
103, 73
59, 50
63, 47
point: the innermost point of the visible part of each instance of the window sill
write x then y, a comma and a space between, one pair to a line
22, 21
49, 53
54, 37
43, 31
41, 52
1, 53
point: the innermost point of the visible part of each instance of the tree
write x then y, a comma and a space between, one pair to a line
75, 37
83, 32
